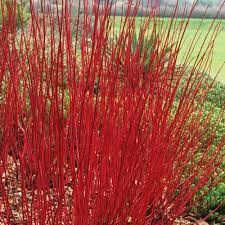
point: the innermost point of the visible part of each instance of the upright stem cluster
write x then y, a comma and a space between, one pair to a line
92, 134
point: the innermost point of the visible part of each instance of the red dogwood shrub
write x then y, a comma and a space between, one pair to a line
92, 130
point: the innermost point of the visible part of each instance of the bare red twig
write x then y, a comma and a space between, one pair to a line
87, 134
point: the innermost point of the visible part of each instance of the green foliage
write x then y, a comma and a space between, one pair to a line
214, 199
144, 48
22, 16
216, 196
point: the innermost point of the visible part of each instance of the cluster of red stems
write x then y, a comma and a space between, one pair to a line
88, 135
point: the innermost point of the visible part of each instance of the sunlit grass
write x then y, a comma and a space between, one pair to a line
218, 57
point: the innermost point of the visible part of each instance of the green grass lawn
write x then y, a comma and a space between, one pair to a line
219, 48
218, 58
